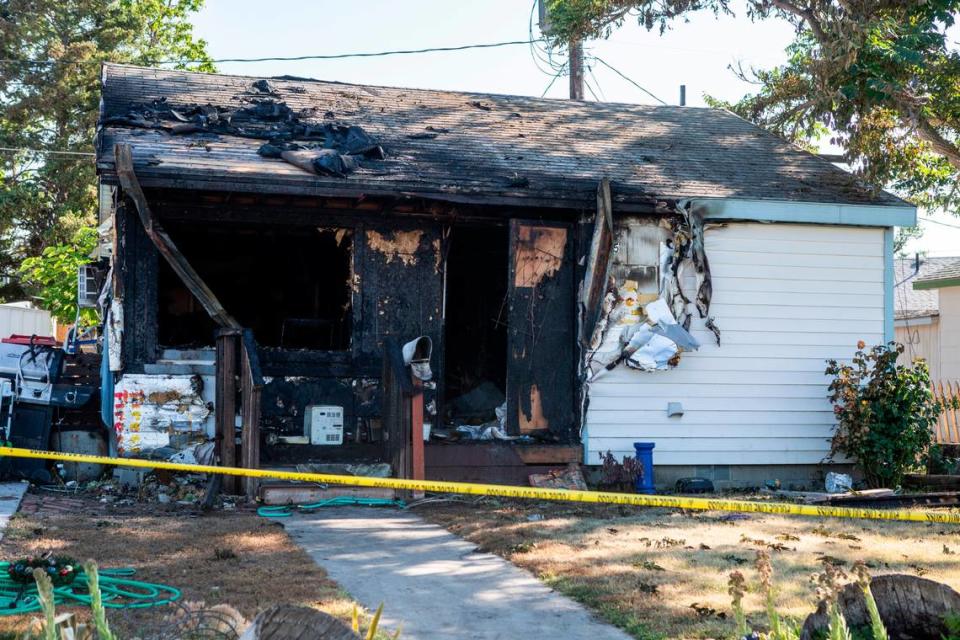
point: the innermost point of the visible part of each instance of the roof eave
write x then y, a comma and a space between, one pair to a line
936, 283
767, 210
357, 189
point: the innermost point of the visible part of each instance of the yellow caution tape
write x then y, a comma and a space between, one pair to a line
507, 491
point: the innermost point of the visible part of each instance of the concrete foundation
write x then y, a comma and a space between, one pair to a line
794, 477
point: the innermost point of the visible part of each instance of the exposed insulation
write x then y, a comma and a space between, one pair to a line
646, 312
149, 410
531, 416
539, 254
399, 245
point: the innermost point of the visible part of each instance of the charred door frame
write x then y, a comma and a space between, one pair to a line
542, 344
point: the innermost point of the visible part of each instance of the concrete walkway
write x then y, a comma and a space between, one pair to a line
435, 584
11, 493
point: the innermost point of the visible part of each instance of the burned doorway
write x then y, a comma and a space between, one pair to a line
475, 338
290, 284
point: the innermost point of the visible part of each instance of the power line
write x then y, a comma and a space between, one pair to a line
630, 80
556, 76
55, 152
943, 224
335, 56
586, 82
596, 81
541, 55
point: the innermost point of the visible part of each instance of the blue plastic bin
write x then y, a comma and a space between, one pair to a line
645, 458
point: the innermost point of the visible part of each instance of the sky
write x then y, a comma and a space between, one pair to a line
697, 53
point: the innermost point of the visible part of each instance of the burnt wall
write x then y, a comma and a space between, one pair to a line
396, 290
135, 282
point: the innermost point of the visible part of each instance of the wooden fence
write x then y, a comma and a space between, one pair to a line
948, 427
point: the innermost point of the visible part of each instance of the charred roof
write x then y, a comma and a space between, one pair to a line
220, 132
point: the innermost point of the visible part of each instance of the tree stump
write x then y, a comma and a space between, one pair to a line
289, 622
911, 608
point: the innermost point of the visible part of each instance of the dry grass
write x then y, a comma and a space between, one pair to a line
663, 574
190, 552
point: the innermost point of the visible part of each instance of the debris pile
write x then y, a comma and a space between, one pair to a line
479, 414
317, 145
183, 490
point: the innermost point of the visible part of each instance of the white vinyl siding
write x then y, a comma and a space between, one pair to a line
786, 298
950, 333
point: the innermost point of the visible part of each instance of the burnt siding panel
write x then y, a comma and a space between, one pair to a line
542, 339
137, 264
401, 290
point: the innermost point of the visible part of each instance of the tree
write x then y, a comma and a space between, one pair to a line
53, 274
880, 77
51, 52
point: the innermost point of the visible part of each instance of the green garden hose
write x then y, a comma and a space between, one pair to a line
118, 590
342, 501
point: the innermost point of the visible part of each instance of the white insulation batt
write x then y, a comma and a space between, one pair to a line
149, 409
786, 297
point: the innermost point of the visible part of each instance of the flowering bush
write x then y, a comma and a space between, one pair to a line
885, 412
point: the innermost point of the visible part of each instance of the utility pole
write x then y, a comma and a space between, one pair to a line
575, 50
575, 47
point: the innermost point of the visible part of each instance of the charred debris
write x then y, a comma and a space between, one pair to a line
328, 147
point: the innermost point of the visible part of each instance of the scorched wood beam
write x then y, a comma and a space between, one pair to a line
164, 243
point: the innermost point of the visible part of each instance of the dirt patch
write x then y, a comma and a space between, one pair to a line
661, 573
230, 557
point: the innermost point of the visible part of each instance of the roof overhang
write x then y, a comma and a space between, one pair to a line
917, 321
863, 215
936, 283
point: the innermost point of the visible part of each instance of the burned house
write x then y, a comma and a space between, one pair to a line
589, 275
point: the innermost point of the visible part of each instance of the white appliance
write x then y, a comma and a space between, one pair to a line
324, 424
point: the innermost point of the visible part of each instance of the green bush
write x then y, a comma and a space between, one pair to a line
885, 412
52, 276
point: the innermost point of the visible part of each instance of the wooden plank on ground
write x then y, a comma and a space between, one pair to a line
278, 493
942, 482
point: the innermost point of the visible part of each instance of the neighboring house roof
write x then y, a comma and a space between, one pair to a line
946, 276
469, 147
913, 303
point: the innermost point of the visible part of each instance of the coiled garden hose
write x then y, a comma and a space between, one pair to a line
342, 501
117, 588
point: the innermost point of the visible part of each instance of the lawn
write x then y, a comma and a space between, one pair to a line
661, 573
222, 557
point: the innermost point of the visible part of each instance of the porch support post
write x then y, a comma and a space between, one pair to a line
226, 402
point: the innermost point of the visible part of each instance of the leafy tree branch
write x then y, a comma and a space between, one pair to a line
881, 78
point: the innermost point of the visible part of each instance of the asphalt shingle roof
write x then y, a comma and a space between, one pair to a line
916, 303
461, 146
949, 271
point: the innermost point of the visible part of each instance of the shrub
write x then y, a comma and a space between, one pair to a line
885, 412
619, 475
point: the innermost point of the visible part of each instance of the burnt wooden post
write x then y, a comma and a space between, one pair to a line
417, 467
398, 392
226, 402
251, 386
